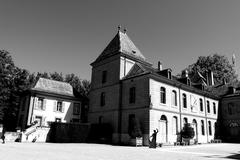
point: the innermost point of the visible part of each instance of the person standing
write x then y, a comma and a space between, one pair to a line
154, 139
3, 136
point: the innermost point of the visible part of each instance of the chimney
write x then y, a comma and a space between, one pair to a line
210, 78
185, 74
159, 66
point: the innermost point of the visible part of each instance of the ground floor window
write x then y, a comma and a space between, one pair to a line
38, 119
58, 120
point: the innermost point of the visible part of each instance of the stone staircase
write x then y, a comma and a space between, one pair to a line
35, 134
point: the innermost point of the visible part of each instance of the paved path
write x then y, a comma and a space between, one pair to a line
50, 151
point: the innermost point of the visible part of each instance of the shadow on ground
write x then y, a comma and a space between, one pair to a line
232, 156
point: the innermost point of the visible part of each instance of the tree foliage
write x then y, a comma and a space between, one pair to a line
187, 131
134, 129
220, 65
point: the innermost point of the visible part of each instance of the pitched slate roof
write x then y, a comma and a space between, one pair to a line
52, 86
121, 43
141, 69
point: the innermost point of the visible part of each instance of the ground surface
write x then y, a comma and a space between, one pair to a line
49, 151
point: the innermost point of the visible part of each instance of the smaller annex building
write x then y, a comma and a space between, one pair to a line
50, 101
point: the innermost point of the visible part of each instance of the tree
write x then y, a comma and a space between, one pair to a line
57, 76
13, 82
134, 129
187, 131
220, 65
85, 88
6, 70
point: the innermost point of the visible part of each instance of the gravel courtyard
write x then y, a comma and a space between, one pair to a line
50, 151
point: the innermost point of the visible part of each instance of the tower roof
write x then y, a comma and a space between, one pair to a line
123, 44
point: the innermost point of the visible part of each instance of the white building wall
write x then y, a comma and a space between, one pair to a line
125, 66
49, 114
192, 112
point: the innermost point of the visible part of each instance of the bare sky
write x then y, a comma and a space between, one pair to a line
67, 35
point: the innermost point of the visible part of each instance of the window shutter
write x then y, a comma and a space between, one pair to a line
63, 106
55, 106
44, 104
43, 121
35, 102
33, 118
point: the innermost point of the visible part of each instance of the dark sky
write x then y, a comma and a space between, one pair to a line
67, 35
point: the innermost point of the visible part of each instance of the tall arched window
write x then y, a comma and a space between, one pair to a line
175, 125
102, 99
208, 107
214, 108
210, 128
163, 95
100, 119
174, 98
184, 99
202, 127
132, 95
230, 108
185, 120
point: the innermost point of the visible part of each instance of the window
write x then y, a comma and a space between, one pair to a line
202, 127
175, 125
208, 107
102, 100
38, 119
214, 108
163, 95
174, 98
104, 76
210, 128
131, 123
132, 95
185, 120
59, 107
76, 108
58, 120
100, 119
184, 99
230, 108
201, 104
40, 103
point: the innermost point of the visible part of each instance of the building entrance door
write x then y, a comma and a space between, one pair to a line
162, 134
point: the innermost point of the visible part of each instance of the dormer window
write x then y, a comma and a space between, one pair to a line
169, 74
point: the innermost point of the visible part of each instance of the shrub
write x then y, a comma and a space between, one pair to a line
187, 131
134, 129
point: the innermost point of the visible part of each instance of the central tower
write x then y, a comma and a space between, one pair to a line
111, 66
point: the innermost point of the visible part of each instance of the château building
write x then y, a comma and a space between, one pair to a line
124, 85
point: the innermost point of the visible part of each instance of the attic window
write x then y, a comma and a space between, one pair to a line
133, 51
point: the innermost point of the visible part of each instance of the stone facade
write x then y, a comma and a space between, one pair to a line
230, 117
124, 84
